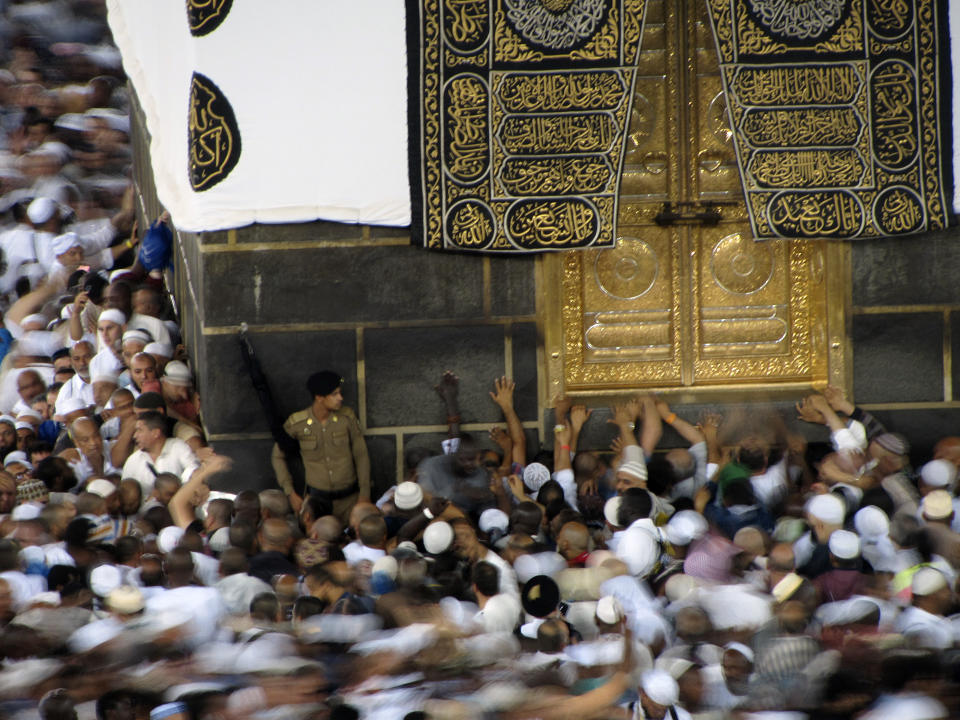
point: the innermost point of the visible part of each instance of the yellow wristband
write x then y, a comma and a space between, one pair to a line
670, 418
129, 244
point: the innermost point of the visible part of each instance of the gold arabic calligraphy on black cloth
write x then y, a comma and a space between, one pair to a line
518, 116
839, 110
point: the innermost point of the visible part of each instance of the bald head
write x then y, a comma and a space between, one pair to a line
781, 558
948, 448
573, 540
360, 511
275, 535
326, 528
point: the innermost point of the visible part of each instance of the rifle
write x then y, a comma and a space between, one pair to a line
289, 446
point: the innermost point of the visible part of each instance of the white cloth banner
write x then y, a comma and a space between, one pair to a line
317, 87
954, 18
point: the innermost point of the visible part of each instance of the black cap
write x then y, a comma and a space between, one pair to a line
324, 382
540, 596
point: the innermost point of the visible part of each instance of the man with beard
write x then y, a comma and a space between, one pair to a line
459, 477
8, 435
79, 386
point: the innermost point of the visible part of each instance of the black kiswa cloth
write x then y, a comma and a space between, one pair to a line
841, 119
518, 117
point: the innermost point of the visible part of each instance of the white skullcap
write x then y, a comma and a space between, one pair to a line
501, 613
739, 648
41, 210
50, 597
610, 510
24, 425
408, 546
30, 413
407, 496
871, 522
927, 580
112, 315
535, 475
636, 470
845, 612
827, 508
104, 579
102, 487
388, 565
177, 373
164, 350
937, 505
18, 456
168, 538
674, 666
138, 335
844, 544
71, 405
493, 518
526, 567
220, 540
609, 610
939, 474
686, 526
63, 243
126, 600
660, 687
9, 419
678, 586
438, 537
27, 511
104, 376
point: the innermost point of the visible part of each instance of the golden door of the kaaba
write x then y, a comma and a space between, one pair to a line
689, 302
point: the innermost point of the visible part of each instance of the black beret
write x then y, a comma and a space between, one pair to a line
540, 596
324, 382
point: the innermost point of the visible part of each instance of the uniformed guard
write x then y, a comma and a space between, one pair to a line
335, 461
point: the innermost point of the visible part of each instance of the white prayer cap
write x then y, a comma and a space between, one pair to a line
679, 586
610, 509
736, 607
18, 456
674, 666
844, 544
138, 335
176, 373
126, 600
168, 538
914, 707
609, 610
102, 487
686, 526
104, 579
939, 474
71, 121
164, 350
927, 580
63, 243
71, 405
660, 687
31, 414
104, 376
387, 564
871, 522
739, 648
845, 612
827, 508
640, 550
937, 505
407, 496
493, 519
9, 419
438, 537
24, 425
26, 511
50, 597
535, 475
41, 210
526, 567
112, 315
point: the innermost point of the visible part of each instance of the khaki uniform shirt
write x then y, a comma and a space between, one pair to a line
334, 453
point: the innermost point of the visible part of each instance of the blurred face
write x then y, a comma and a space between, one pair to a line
87, 439
25, 436
8, 436
129, 495
146, 302
131, 348
72, 257
142, 369
736, 671
102, 390
464, 539
117, 295
29, 385
175, 393
110, 333
80, 356
333, 401
625, 482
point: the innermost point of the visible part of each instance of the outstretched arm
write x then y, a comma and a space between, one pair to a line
690, 433
503, 397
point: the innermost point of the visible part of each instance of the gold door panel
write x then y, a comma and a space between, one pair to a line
690, 304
